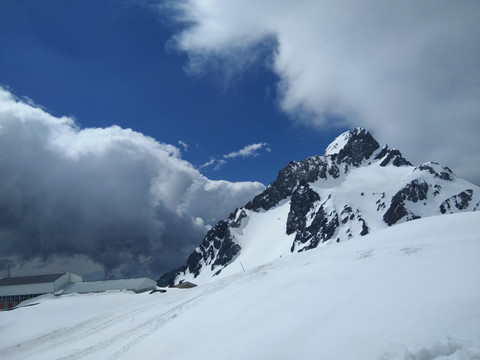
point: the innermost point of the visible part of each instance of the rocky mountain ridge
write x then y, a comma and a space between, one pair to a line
355, 188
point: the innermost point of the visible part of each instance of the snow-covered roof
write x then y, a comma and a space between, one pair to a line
137, 285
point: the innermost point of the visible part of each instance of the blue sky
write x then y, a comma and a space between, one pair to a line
109, 62
219, 96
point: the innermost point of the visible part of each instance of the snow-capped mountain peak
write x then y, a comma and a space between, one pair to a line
357, 187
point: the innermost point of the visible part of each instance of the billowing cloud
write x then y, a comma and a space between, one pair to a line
407, 70
107, 196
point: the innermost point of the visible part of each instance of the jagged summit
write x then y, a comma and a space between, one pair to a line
356, 146
350, 150
352, 146
355, 188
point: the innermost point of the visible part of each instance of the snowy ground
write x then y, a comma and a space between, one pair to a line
407, 292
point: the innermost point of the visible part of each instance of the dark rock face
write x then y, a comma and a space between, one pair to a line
413, 192
322, 228
236, 221
227, 251
300, 205
460, 201
295, 174
349, 216
392, 156
360, 146
217, 249
442, 172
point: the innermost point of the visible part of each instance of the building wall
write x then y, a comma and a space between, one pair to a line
10, 301
12, 295
64, 280
41, 288
145, 285
75, 278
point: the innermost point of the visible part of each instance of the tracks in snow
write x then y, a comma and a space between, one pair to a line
108, 335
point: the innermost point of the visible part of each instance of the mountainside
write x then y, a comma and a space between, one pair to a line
355, 188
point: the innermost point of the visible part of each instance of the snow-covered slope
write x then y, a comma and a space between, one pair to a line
407, 292
356, 188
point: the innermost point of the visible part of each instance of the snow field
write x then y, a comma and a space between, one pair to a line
263, 237
406, 292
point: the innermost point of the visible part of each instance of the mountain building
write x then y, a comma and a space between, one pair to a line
15, 289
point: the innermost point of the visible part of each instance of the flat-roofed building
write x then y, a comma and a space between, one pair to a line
15, 289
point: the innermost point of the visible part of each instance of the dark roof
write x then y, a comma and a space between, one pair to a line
30, 279
185, 285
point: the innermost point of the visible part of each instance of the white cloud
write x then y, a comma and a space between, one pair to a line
183, 145
114, 195
215, 163
208, 163
219, 163
407, 70
248, 151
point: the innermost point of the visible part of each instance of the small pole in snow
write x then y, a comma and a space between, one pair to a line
242, 266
